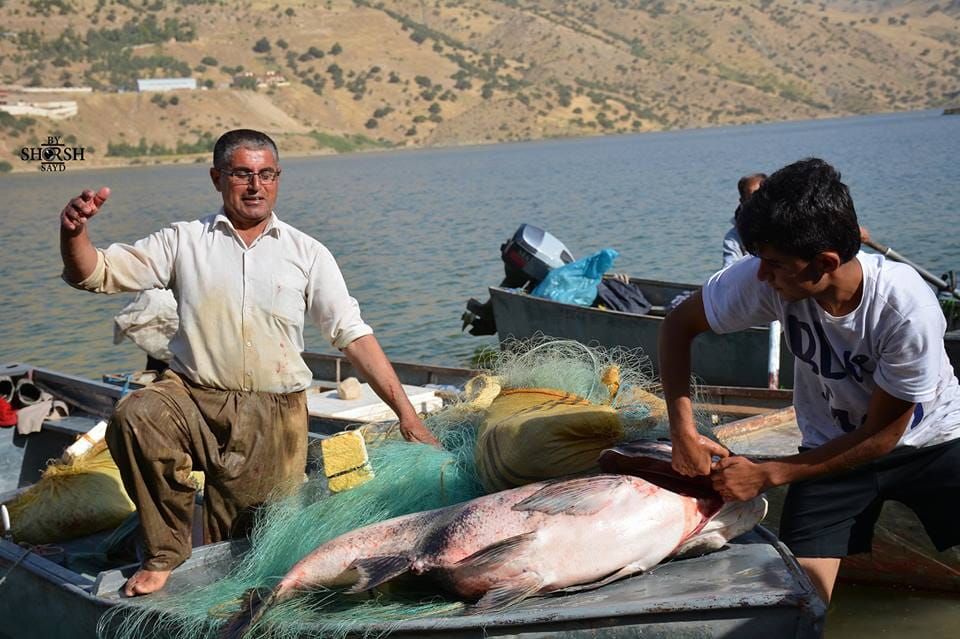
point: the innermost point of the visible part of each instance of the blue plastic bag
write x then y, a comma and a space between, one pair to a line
576, 282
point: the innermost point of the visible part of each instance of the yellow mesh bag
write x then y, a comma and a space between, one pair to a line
71, 500
533, 434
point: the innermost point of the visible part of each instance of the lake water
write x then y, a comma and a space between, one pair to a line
418, 232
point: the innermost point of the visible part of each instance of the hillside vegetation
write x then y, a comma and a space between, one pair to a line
408, 73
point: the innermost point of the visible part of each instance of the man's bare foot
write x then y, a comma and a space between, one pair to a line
144, 582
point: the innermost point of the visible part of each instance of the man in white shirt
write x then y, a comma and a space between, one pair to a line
877, 401
233, 402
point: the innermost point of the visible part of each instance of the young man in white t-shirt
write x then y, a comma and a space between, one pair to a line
877, 400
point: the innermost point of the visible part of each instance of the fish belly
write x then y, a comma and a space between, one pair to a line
638, 533
640, 527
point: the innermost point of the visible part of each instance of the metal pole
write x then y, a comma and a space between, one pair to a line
773, 356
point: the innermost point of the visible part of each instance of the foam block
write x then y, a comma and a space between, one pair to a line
349, 389
345, 461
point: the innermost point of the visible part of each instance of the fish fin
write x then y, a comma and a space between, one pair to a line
253, 604
732, 520
580, 496
376, 570
506, 594
497, 553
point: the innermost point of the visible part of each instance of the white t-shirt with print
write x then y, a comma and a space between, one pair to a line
894, 340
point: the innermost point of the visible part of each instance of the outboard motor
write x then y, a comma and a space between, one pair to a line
527, 258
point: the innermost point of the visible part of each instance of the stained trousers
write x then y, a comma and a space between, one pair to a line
249, 446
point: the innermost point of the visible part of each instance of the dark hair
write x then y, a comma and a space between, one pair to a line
241, 139
801, 210
745, 181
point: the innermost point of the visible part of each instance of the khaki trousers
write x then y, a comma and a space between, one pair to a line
248, 444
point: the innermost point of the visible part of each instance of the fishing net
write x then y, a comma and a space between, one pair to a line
407, 478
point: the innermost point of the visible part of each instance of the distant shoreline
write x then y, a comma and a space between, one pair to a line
167, 160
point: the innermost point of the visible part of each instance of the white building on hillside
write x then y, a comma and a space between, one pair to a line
166, 84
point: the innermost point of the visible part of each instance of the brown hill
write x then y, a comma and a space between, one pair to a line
406, 73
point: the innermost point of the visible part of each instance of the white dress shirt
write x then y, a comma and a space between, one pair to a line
241, 307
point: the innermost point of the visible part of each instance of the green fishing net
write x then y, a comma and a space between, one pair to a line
408, 478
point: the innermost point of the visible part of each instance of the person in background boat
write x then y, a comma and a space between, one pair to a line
732, 246
233, 403
877, 401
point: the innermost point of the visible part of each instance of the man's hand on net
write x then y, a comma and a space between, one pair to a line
413, 430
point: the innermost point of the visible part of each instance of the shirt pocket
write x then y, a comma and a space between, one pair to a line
288, 303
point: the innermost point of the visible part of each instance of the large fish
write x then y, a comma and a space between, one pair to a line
498, 549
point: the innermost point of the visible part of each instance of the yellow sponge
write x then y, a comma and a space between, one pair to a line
345, 461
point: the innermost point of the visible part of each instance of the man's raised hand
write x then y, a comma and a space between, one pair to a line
81, 208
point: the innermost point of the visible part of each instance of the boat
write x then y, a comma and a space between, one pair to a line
734, 359
753, 586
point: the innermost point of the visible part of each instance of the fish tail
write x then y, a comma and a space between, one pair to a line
254, 604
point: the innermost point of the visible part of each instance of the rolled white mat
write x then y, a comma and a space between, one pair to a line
86, 441
7, 388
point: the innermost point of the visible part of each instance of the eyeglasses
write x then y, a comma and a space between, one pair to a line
244, 176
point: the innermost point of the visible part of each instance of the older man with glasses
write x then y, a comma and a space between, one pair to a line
233, 403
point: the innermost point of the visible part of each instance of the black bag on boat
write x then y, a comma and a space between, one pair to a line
614, 295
